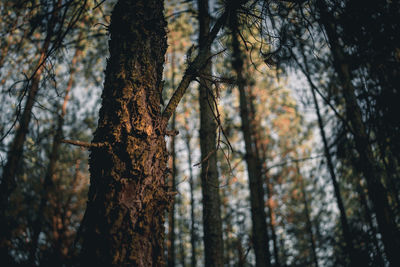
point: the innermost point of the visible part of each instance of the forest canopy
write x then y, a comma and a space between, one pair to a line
199, 133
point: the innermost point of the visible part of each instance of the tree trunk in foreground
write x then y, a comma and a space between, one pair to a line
123, 222
212, 223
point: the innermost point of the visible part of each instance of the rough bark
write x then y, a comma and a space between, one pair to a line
212, 223
123, 222
259, 226
368, 163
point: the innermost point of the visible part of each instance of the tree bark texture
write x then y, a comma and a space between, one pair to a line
128, 196
212, 223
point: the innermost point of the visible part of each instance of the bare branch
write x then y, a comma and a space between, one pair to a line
83, 144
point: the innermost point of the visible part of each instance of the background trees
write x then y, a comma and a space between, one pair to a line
303, 102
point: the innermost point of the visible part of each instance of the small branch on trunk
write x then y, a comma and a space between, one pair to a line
83, 144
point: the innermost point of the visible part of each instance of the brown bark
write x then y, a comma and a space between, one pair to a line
212, 223
123, 222
259, 230
368, 163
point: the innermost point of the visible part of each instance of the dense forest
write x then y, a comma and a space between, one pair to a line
200, 133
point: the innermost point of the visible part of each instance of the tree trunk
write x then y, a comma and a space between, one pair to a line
371, 225
193, 237
343, 217
369, 166
259, 230
123, 222
212, 223
307, 215
271, 211
171, 214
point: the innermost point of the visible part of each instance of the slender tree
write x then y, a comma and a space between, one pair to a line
193, 234
343, 217
171, 214
260, 234
307, 215
212, 223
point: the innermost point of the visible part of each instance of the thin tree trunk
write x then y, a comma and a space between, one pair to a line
171, 214
123, 222
369, 166
307, 215
171, 182
271, 212
212, 223
368, 218
193, 235
343, 217
181, 237
259, 229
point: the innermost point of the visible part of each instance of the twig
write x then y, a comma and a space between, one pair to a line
82, 144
